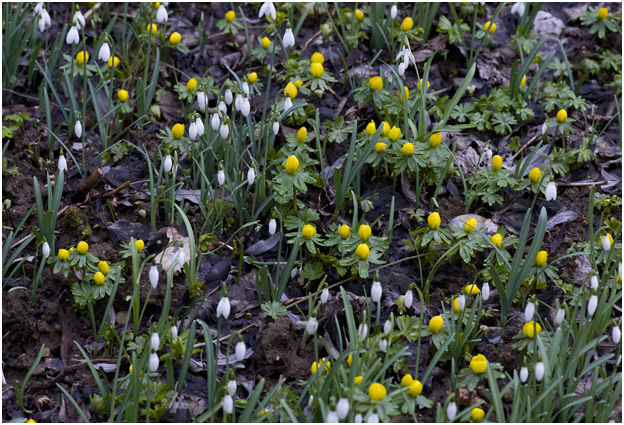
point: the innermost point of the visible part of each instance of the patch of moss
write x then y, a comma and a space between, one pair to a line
72, 217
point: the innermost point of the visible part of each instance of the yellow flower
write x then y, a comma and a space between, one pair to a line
362, 251
472, 290
371, 128
477, 414
175, 38
435, 140
317, 365
350, 359
359, 15
386, 128
252, 77
456, 305
317, 58
478, 364
407, 149
63, 254
433, 221
98, 278
376, 392
140, 245
292, 165
364, 232
375, 83
471, 225
344, 231
407, 380
541, 258
104, 267
113, 62
487, 27
230, 16
497, 240
82, 247
531, 329
401, 93
602, 13
155, 5
80, 58
358, 380
266, 43
291, 91
316, 69
122, 95
298, 84
497, 162
380, 147
302, 134
394, 134
436, 324
308, 231
191, 85
31, 421
562, 115
153, 28
523, 81
418, 84
415, 389
535, 175
407, 24
178, 131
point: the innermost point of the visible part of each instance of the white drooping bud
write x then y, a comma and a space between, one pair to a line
401, 68
461, 302
78, 129
332, 417
45, 249
451, 411
544, 129
181, 257
228, 404
408, 299
174, 332
606, 243
373, 418
105, 53
224, 131
363, 331
155, 341
222, 109
393, 12
312, 325
592, 305
272, 226
529, 311
246, 107
238, 103
616, 334
387, 327
287, 104
228, 96
485, 291
153, 276
193, 131
593, 282
240, 350
214, 122
251, 175
202, 99
560, 316
161, 15
357, 419
223, 308
62, 163
153, 362
551, 191
383, 344
199, 123
289, 38
539, 371
324, 295
376, 291
168, 163
524, 374
232, 385
342, 408
221, 177
275, 127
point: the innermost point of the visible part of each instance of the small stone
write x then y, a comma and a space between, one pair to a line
121, 318
46, 352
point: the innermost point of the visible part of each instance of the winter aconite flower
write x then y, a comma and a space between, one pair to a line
290, 91
433, 221
364, 232
317, 58
497, 240
63, 254
394, 134
380, 147
477, 414
139, 245
371, 128
472, 290
376, 392
358, 380
497, 162
175, 38
523, 81
489, 27
122, 95
531, 329
178, 131
435, 140
80, 58
82, 248
407, 380
359, 15
407, 24
191, 85
292, 165
603, 12
375, 83
99, 278
562, 116
408, 149
317, 365
415, 389
478, 364
104, 267
113, 62
386, 129
419, 83
316, 69
535, 175
229, 16
470, 225
436, 324
540, 258
344, 231
362, 251
153, 28
266, 43
308, 231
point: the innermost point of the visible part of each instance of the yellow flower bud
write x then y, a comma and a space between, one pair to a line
266, 43
316, 69
362, 251
380, 147
140, 245
523, 81
407, 24
479, 364
344, 231
175, 38
435, 140
401, 93
122, 95
371, 128
603, 13
415, 389
153, 28
491, 28
386, 129
394, 134
80, 58
99, 278
316, 366
191, 85
230, 16
252, 77
535, 175
358, 380
302, 134
407, 380
418, 84
113, 62
317, 58
477, 414
298, 84
291, 91
350, 359
407, 149
292, 164
433, 221
375, 83
497, 162
531, 329
562, 116
63, 254
436, 324
308, 231
359, 15
541, 258
104, 267
472, 290
470, 225
497, 240
82, 248
376, 392
178, 131
364, 232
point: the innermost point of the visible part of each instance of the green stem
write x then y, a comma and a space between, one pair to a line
294, 199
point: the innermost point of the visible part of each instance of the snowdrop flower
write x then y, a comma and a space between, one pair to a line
72, 36
409, 298
246, 106
44, 16
363, 331
232, 385
393, 12
240, 349
332, 417
62, 163
45, 249
228, 96
592, 304
224, 131
593, 282
215, 121
551, 191
287, 106
451, 410
311, 325
238, 103
461, 302
373, 419
174, 332
199, 124
406, 55
383, 344
181, 256
539, 371
529, 311
222, 109
524, 374
168, 163
342, 408
401, 69
616, 334
39, 8
387, 327
223, 308
357, 419
251, 175
267, 9
78, 129
289, 38
79, 19
221, 177
105, 53
272, 226
155, 341
161, 15
201, 100
154, 276
193, 131
324, 295
560, 316
488, 154
228, 404
518, 8
246, 88
485, 291
376, 291
276, 127
153, 362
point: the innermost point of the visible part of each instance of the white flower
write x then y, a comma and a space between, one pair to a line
373, 418
62, 163
155, 341
272, 226
560, 316
44, 19
105, 53
168, 163
488, 154
238, 103
174, 332
362, 330
342, 408
539, 371
376, 291
409, 299
78, 129
551, 191
451, 410
221, 177
529, 311
324, 295
193, 131
406, 55
153, 362
312, 325
202, 100
45, 249
199, 123
181, 257
387, 327
246, 88
215, 121
275, 127
161, 15
357, 419
41, 24
401, 69
267, 9
72, 36
606, 243
287, 105
245, 107
228, 404
79, 19
544, 129
153, 276
593, 282
461, 302
332, 417
39, 8
232, 385
383, 344
240, 350
485, 291
393, 12
289, 38
223, 308
592, 304
518, 8
222, 109
224, 131
524, 374
616, 334
251, 175
228, 96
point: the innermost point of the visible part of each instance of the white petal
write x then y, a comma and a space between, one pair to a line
592, 305
228, 404
324, 295
529, 312
383, 344
332, 417
199, 123
201, 100
238, 103
287, 104
451, 410
539, 371
104, 54
289, 38
232, 385
246, 107
560, 316
461, 302
153, 362
174, 332
593, 282
72, 36
342, 408
485, 291
376, 291
161, 15
246, 87
168, 163
544, 129
223, 308
272, 226
251, 176
387, 327
224, 131
393, 12
362, 330
357, 419
373, 419
311, 326
228, 96
62, 163
214, 122
551, 191
616, 334
41, 24
193, 131
181, 257
524, 374
221, 177
275, 127
45, 249
79, 19
78, 129
153, 276
606, 243
155, 341
240, 350
409, 299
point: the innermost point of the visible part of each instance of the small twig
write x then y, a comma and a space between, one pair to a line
116, 191
92, 180
527, 144
90, 11
581, 184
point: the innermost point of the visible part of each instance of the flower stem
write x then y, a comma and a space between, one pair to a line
294, 200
